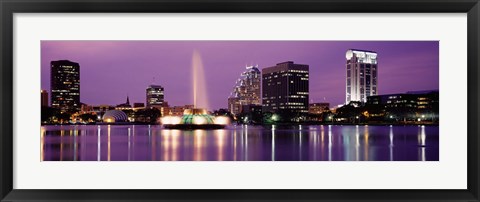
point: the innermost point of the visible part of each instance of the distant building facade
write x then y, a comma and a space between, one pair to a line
65, 85
234, 105
427, 100
246, 90
85, 108
138, 105
44, 98
412, 105
318, 108
362, 75
165, 109
178, 110
155, 96
285, 88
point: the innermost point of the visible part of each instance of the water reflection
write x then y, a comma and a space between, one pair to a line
199, 144
129, 143
42, 143
366, 135
241, 143
245, 131
98, 144
220, 136
357, 143
329, 142
422, 137
273, 143
109, 151
390, 135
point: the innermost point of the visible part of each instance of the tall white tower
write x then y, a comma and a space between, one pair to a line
362, 75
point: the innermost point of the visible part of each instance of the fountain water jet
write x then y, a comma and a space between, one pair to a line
199, 85
196, 118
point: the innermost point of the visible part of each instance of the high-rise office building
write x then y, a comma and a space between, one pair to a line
155, 97
44, 98
285, 88
246, 90
65, 85
362, 75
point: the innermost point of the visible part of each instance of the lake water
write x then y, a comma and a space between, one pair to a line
240, 143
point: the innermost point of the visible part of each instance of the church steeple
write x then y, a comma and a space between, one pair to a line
128, 101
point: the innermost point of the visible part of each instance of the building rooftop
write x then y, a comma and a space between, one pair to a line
64, 61
288, 65
360, 50
422, 92
154, 86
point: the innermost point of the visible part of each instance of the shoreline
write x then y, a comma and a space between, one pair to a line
278, 124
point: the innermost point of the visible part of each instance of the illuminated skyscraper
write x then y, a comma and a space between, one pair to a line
155, 97
246, 90
362, 80
65, 85
285, 89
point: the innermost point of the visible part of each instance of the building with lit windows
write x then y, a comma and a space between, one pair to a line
426, 100
65, 85
246, 90
155, 97
285, 89
234, 105
178, 110
318, 108
412, 105
362, 75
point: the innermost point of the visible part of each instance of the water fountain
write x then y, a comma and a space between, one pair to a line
198, 117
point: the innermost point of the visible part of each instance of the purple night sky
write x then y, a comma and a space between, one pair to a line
109, 70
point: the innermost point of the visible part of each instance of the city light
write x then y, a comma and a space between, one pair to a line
222, 120
199, 120
170, 120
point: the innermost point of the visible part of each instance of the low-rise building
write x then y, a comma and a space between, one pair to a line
318, 108
409, 106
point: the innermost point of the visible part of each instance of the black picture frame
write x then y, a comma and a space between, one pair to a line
10, 7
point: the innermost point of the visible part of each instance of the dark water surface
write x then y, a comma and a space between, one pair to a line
240, 143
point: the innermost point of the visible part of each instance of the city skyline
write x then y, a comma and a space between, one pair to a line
111, 70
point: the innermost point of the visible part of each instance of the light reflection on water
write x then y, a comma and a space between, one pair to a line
239, 143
